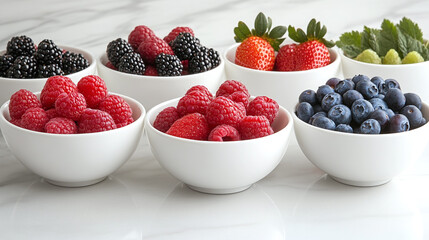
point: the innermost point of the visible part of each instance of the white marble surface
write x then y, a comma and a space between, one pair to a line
142, 201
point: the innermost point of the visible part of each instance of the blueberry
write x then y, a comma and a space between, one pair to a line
382, 117
332, 82
378, 103
413, 114
344, 128
340, 114
367, 89
381, 96
389, 84
423, 122
330, 100
413, 99
399, 123
361, 109
350, 96
324, 122
308, 96
390, 113
344, 85
317, 108
322, 91
360, 77
304, 111
316, 115
395, 99
370, 126
378, 81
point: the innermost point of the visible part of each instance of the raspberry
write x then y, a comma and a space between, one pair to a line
194, 101
34, 119
255, 127
70, 105
125, 123
20, 101
192, 126
93, 89
229, 87
110, 65
224, 133
61, 125
173, 34
94, 120
200, 88
139, 35
16, 122
223, 110
165, 119
264, 106
54, 86
240, 97
153, 47
52, 113
151, 71
117, 107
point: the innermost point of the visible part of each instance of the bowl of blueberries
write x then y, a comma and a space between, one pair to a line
361, 131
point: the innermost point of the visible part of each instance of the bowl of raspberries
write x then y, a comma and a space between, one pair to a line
26, 64
361, 131
153, 69
268, 65
72, 134
221, 143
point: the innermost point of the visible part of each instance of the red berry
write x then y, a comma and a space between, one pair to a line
192, 126
94, 120
255, 127
224, 133
200, 88
229, 87
240, 97
256, 53
185, 64
34, 119
223, 110
127, 122
61, 125
93, 89
173, 34
54, 86
117, 107
263, 106
138, 35
20, 101
192, 102
286, 58
16, 121
52, 113
152, 47
70, 105
110, 65
312, 54
151, 71
165, 119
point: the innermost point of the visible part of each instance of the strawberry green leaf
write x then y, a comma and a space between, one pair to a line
261, 24
275, 43
327, 43
322, 32
317, 30
302, 37
277, 32
242, 31
412, 29
311, 29
270, 24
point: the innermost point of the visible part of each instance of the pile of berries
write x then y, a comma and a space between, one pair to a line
67, 108
178, 53
361, 105
229, 116
23, 59
257, 47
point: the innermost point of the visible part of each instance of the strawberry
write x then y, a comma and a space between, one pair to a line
285, 60
257, 48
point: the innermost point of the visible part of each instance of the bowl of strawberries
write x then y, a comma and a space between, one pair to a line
153, 69
269, 67
220, 143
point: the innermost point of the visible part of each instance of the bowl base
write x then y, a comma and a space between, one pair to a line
218, 191
360, 183
74, 184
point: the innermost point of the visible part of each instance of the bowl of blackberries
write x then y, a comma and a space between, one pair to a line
153, 69
26, 65
361, 131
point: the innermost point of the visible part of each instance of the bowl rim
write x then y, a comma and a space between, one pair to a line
332, 51
156, 108
92, 64
5, 107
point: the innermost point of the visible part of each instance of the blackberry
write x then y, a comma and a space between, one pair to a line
6, 62
185, 45
48, 53
213, 55
132, 63
22, 67
20, 46
168, 65
44, 71
73, 62
116, 49
200, 62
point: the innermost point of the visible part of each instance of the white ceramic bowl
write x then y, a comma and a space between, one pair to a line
9, 86
282, 86
359, 159
74, 160
219, 167
412, 77
152, 90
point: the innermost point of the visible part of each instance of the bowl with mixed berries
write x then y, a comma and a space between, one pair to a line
153, 69
361, 131
269, 67
219, 144
25, 64
72, 134
396, 51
